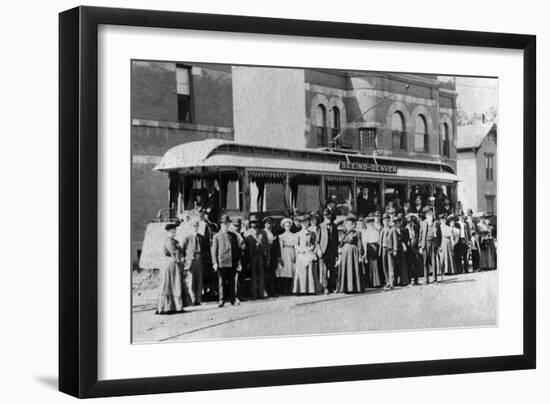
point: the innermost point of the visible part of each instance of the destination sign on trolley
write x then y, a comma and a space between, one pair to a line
369, 167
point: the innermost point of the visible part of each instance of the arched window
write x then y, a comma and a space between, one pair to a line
421, 136
399, 139
446, 140
321, 125
335, 121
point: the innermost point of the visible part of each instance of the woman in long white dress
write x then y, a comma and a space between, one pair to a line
446, 250
370, 236
304, 277
287, 266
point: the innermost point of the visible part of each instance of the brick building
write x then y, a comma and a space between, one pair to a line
476, 160
408, 118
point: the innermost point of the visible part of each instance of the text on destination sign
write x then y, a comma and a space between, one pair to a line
377, 168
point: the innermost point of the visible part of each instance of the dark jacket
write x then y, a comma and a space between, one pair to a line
364, 206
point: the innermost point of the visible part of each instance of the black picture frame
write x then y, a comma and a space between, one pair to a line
78, 196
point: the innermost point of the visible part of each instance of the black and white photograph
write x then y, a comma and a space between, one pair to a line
289, 201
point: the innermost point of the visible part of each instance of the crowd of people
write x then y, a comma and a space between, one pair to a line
320, 253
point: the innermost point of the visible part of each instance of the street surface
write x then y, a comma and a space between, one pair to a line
468, 300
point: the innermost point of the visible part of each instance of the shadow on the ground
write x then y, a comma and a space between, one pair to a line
48, 381
456, 280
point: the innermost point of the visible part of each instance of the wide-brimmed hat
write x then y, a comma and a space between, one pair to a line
351, 217
225, 219
268, 219
302, 218
253, 218
369, 219
314, 214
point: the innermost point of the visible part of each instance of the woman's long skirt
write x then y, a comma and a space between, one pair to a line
174, 292
287, 270
488, 255
304, 276
375, 279
416, 269
402, 273
350, 278
446, 259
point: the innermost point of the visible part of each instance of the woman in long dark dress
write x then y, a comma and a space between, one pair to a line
400, 248
351, 277
174, 292
487, 248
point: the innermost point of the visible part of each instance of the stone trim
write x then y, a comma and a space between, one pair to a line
398, 106
181, 125
370, 92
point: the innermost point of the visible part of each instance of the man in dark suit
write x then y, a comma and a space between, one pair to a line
411, 234
328, 244
364, 203
196, 253
226, 259
462, 248
429, 244
211, 205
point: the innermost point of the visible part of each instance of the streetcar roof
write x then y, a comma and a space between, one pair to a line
215, 153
